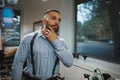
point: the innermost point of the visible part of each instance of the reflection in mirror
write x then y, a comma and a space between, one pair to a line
11, 34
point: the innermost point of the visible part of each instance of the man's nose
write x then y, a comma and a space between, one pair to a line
57, 22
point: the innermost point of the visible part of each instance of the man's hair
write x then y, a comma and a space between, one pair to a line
51, 10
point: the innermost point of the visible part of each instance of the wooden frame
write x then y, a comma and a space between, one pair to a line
37, 25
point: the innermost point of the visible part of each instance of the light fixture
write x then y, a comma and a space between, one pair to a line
44, 0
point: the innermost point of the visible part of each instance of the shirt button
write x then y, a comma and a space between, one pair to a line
44, 67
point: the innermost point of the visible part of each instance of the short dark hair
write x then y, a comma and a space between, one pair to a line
51, 10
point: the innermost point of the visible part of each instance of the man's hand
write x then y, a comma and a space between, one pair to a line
49, 34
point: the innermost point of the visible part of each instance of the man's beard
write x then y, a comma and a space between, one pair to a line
56, 30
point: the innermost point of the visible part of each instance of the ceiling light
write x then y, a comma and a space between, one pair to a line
44, 0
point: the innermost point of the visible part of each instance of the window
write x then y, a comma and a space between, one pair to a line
97, 29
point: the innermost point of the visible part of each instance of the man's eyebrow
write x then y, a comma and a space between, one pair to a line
56, 18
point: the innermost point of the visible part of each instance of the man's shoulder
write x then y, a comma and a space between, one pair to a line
28, 36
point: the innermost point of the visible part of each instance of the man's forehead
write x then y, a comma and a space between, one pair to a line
55, 14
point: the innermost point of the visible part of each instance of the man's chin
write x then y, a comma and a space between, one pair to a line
56, 31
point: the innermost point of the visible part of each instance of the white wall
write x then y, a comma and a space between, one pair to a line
67, 25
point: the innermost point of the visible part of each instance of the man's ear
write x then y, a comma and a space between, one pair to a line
43, 20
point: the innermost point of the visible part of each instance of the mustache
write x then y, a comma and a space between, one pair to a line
55, 25
56, 29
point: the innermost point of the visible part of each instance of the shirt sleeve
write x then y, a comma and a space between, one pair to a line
19, 59
63, 53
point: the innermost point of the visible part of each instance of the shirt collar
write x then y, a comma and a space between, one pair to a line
40, 34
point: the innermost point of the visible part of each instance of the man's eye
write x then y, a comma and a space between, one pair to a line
59, 20
53, 18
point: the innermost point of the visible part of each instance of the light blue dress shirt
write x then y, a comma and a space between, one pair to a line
44, 56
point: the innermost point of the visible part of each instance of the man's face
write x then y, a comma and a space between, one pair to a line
54, 20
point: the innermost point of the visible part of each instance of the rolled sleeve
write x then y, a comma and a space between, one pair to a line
62, 52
